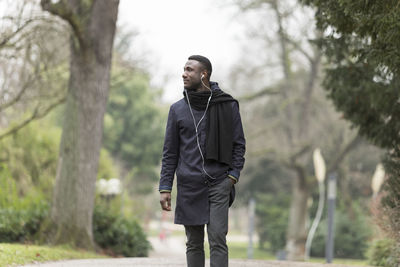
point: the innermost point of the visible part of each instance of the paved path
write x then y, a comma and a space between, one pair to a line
170, 253
174, 262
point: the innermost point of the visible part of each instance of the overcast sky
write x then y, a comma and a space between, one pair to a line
170, 31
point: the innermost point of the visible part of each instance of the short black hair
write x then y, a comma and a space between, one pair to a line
204, 61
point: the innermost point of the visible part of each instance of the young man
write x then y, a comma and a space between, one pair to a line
205, 145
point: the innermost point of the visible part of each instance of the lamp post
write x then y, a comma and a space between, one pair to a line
320, 171
331, 217
109, 188
252, 208
377, 180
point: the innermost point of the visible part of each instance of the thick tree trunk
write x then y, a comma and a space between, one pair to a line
297, 232
91, 49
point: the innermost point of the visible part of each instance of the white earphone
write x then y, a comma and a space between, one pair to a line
196, 126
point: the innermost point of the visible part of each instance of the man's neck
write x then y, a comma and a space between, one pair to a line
203, 87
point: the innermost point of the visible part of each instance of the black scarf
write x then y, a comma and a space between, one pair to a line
219, 128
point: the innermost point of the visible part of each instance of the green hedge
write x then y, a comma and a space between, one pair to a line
21, 225
272, 213
351, 236
114, 233
383, 253
120, 235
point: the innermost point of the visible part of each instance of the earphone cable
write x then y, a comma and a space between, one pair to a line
196, 128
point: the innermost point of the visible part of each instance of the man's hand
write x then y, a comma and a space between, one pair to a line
165, 201
233, 181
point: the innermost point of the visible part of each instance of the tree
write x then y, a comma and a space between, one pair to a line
133, 130
296, 115
93, 26
362, 43
133, 133
32, 72
30, 155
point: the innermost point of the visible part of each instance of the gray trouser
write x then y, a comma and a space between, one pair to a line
217, 228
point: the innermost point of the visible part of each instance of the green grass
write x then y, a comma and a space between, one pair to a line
238, 250
12, 254
156, 233
342, 261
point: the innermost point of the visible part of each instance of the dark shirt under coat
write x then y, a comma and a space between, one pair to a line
181, 155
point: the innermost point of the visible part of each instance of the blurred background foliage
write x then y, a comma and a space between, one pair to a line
133, 132
284, 108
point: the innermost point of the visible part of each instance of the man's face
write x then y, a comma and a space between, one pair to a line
191, 75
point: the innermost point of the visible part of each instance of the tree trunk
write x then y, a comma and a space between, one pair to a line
93, 24
297, 232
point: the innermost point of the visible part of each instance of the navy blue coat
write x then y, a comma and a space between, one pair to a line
181, 155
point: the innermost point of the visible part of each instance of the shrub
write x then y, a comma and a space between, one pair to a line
21, 225
20, 217
383, 253
390, 205
272, 213
30, 157
119, 235
351, 236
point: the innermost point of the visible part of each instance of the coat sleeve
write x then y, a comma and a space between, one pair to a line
170, 154
239, 144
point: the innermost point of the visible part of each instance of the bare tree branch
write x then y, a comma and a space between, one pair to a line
37, 114
64, 10
299, 153
14, 39
250, 5
298, 47
340, 156
306, 105
266, 91
5, 39
17, 97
